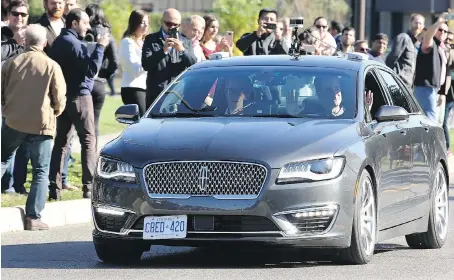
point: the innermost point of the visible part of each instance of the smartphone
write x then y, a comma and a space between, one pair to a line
229, 37
173, 33
269, 25
449, 16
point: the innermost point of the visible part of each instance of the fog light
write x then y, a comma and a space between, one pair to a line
109, 211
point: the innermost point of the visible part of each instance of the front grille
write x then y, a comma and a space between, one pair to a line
229, 223
110, 222
218, 179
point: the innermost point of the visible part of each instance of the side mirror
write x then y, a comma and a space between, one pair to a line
388, 113
127, 114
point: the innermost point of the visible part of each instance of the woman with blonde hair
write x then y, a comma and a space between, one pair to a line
134, 77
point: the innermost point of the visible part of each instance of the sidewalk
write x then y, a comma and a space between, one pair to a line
76, 211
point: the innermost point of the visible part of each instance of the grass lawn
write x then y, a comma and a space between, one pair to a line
75, 175
107, 122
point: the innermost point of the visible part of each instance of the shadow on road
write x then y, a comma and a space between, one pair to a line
81, 255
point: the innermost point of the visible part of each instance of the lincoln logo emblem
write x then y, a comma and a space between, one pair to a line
203, 178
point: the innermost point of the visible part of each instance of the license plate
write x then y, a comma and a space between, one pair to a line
165, 227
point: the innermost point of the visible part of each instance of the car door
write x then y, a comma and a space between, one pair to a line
385, 146
414, 169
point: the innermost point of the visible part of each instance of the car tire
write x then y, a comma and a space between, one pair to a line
364, 225
109, 253
435, 236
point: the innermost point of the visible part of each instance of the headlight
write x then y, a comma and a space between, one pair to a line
309, 171
115, 170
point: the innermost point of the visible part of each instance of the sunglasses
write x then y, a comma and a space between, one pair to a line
171, 24
443, 30
321, 26
364, 50
16, 14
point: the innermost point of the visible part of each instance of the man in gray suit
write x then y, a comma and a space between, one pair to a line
263, 41
402, 58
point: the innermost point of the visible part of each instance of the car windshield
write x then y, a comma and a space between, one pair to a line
260, 91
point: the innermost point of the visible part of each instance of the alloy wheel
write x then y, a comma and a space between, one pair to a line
441, 205
368, 218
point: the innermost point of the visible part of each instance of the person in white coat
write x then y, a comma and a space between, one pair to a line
134, 77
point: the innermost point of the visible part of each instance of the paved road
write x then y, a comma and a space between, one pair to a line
68, 253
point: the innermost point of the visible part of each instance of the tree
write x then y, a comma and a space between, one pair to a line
239, 16
117, 14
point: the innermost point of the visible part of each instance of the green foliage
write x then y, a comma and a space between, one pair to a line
117, 14
36, 10
240, 16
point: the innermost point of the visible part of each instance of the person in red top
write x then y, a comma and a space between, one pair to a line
208, 43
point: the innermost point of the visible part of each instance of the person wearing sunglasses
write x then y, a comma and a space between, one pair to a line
361, 46
325, 42
13, 35
165, 54
430, 72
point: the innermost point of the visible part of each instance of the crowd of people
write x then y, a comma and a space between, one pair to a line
55, 72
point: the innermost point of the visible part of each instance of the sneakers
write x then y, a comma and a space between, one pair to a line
35, 224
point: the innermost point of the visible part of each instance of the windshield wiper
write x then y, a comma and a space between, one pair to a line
275, 116
186, 104
181, 115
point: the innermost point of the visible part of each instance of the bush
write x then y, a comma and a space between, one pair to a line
117, 13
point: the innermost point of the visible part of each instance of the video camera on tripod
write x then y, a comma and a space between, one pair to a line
295, 48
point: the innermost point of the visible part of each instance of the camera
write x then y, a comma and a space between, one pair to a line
173, 33
269, 25
297, 22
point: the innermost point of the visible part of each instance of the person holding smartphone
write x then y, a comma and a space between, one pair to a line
264, 41
209, 41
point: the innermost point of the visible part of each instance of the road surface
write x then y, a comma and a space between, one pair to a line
68, 253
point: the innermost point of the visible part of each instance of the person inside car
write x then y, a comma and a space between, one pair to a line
238, 92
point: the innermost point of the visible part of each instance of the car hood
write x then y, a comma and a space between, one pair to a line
273, 142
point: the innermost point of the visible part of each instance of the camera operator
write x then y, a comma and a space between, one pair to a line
264, 41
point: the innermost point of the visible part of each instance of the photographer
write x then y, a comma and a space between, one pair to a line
165, 54
264, 41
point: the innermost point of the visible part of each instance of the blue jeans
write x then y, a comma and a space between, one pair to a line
40, 154
64, 173
449, 106
427, 98
20, 167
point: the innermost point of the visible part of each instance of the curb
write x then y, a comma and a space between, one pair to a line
55, 214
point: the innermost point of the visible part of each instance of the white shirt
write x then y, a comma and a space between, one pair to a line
130, 57
57, 26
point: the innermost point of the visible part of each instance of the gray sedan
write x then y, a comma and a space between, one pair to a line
326, 152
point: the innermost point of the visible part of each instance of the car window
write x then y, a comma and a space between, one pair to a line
379, 98
262, 91
395, 91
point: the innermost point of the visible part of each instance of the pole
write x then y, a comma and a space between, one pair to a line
362, 19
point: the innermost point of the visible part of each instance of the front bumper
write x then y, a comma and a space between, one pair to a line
307, 215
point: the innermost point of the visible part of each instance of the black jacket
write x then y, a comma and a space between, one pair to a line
79, 68
110, 59
10, 47
161, 68
250, 44
51, 35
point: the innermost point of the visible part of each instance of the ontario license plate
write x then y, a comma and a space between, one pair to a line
165, 227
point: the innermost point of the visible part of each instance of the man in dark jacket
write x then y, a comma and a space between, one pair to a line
402, 58
263, 41
52, 20
79, 70
13, 35
164, 57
